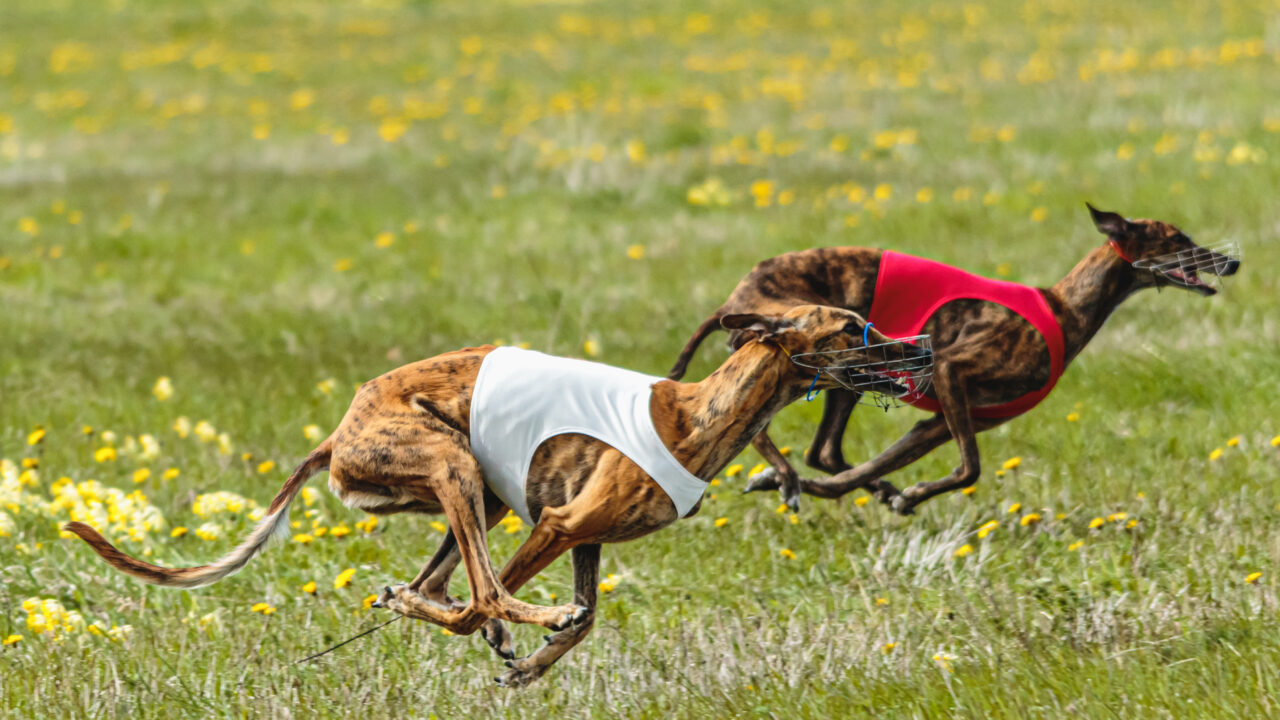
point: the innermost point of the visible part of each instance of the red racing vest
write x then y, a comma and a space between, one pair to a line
909, 290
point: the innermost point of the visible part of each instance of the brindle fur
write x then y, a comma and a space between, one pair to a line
404, 446
984, 353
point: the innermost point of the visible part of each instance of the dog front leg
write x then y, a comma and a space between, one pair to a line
586, 579
954, 400
780, 473
826, 453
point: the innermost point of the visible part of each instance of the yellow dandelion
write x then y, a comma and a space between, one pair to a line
36, 436
794, 519
988, 528
782, 509
163, 389
787, 553
881, 602
368, 602
310, 587
721, 521
342, 264
732, 471
344, 578
105, 454
862, 500
963, 550
1217, 453
969, 490
1015, 507
1275, 441
384, 239
313, 433
1012, 463
591, 348
11, 640
635, 252
178, 532
888, 647
1253, 578
757, 469
261, 608
266, 466
1096, 523
1234, 442
1073, 417
141, 475
1075, 546
303, 538
785, 450
1029, 519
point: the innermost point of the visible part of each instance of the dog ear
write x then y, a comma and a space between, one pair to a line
764, 326
1108, 223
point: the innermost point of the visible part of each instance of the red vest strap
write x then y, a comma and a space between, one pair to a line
909, 290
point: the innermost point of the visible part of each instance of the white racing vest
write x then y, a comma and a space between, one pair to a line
522, 398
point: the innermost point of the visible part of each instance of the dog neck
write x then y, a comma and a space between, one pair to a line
1084, 299
706, 424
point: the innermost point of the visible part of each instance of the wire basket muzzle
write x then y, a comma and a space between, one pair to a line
902, 369
1185, 267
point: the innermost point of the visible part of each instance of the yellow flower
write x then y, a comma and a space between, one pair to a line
733, 470
439, 526
342, 264
1096, 523
1075, 546
368, 524
1217, 453
105, 454
1015, 507
757, 469
384, 239
591, 348
313, 433
29, 226
178, 532
924, 195
260, 607
722, 521
140, 475
883, 191
862, 500
303, 538
266, 466
36, 436
794, 518
1253, 578
716, 482
163, 389
782, 509
969, 490
787, 553
888, 647
1012, 463
964, 550
310, 587
368, 602
635, 151
1029, 519
11, 640
988, 528
1116, 517
205, 431
635, 252
1073, 417
881, 602
1233, 442
344, 578
182, 426
1275, 441
326, 386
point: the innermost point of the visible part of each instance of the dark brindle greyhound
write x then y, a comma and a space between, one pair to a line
994, 359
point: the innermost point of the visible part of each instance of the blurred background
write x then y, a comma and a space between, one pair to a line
237, 211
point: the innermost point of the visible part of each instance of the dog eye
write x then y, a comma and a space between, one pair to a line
853, 328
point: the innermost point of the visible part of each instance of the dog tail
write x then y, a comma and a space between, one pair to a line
274, 523
707, 327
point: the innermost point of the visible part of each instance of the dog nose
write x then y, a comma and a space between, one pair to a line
1232, 267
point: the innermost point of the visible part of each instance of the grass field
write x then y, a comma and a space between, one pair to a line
269, 202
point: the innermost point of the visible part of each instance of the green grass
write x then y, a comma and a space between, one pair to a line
207, 255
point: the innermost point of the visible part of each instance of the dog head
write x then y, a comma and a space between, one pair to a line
1167, 254
832, 340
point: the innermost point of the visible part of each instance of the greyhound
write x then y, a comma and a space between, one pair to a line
999, 347
409, 443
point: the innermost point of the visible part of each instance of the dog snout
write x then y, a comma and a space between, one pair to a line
1232, 266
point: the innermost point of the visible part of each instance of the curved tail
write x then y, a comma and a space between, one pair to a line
275, 522
707, 327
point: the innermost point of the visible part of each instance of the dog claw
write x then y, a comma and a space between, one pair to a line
509, 664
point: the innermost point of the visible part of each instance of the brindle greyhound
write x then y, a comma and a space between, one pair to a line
404, 446
984, 354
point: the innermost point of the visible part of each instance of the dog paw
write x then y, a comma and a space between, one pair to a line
521, 673
766, 479
575, 616
495, 633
